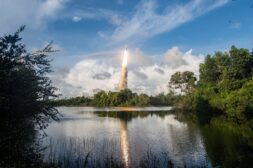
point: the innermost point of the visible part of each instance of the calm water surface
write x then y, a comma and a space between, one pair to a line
130, 134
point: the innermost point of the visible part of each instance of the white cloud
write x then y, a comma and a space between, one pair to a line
103, 72
102, 35
146, 22
99, 14
33, 13
64, 88
76, 18
49, 8
173, 57
82, 76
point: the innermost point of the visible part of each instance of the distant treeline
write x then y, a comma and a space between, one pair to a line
122, 98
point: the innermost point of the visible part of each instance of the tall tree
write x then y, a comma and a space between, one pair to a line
209, 71
25, 92
182, 81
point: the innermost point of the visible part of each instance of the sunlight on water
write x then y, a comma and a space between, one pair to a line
129, 133
124, 143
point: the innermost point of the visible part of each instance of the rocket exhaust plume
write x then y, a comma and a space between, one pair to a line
123, 76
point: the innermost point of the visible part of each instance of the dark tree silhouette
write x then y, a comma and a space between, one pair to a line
25, 92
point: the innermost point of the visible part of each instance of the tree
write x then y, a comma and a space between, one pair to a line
182, 81
229, 69
163, 99
140, 100
209, 72
100, 99
239, 69
25, 92
224, 88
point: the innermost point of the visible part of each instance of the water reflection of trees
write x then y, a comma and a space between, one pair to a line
129, 115
228, 146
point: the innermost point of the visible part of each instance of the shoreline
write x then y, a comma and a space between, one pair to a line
122, 108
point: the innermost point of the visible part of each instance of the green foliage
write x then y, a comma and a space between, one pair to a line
225, 87
227, 144
163, 99
184, 82
25, 93
239, 103
122, 98
141, 100
209, 71
75, 101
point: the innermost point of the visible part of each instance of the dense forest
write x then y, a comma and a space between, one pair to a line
122, 98
25, 108
224, 88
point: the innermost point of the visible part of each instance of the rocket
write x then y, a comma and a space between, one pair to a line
124, 71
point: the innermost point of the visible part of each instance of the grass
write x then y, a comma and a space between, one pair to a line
77, 153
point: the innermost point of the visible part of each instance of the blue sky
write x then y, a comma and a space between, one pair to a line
99, 29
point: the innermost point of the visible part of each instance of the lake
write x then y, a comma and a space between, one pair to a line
140, 137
